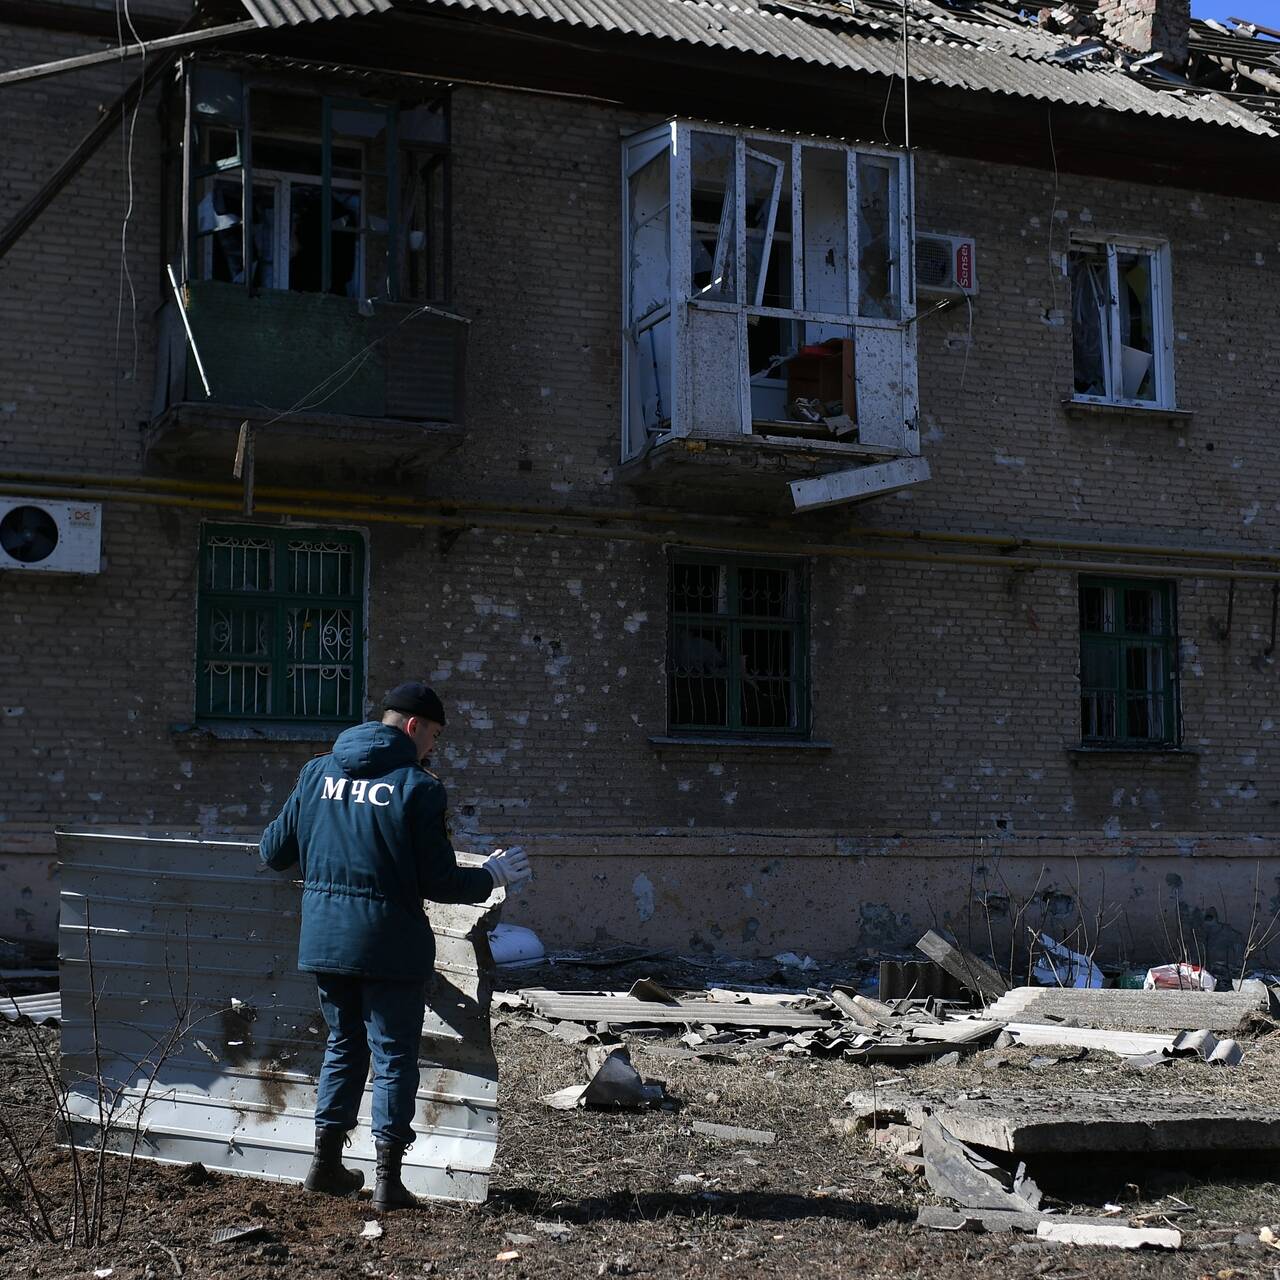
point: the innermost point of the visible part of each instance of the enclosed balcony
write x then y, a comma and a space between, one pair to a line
308, 272
768, 317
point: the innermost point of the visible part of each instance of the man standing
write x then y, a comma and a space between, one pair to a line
366, 823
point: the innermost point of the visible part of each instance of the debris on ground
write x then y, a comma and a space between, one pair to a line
1111, 1236
1179, 977
614, 1084
955, 1171
1058, 966
732, 1133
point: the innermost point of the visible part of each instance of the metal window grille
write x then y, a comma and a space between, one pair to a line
281, 617
1128, 672
737, 648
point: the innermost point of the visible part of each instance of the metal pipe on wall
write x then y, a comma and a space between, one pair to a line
418, 519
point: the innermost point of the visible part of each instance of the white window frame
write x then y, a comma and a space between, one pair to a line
1161, 318
675, 137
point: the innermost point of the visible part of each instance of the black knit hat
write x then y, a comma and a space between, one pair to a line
413, 698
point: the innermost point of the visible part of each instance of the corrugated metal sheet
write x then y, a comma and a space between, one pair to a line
214, 1038
944, 50
293, 13
44, 1009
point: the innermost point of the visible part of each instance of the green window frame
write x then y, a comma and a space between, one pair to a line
280, 625
1128, 663
737, 646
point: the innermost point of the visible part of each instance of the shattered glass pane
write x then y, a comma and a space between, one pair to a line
1137, 336
877, 226
764, 193
649, 213
1090, 323
713, 203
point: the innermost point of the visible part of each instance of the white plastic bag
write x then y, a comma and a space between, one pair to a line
1179, 977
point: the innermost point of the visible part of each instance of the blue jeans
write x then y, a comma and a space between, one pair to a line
370, 1017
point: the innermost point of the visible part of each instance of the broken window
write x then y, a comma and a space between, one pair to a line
1120, 324
345, 196
737, 655
1127, 673
280, 625
781, 300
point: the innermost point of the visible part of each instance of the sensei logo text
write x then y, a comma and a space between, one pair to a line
361, 791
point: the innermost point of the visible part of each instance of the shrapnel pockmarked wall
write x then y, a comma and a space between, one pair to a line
945, 699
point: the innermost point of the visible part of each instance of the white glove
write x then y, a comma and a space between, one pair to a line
508, 867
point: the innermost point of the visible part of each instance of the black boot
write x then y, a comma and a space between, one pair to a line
390, 1193
327, 1173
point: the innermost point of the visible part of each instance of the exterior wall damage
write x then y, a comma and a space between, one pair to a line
518, 562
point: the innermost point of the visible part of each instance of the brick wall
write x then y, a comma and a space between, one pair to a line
948, 696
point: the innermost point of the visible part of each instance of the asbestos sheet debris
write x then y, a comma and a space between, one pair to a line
940, 1218
44, 1010
956, 1172
614, 1084
969, 970
732, 1133
1110, 1235
615, 1009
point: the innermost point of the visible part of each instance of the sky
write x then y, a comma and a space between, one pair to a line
1266, 12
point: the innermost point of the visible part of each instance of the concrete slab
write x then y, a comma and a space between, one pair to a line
1122, 1010
1081, 1121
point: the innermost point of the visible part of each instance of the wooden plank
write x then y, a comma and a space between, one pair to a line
963, 965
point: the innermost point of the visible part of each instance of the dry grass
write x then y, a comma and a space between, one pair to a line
642, 1194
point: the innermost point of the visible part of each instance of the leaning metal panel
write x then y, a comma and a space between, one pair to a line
209, 1040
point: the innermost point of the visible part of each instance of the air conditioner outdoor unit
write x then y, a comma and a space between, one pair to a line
947, 265
50, 537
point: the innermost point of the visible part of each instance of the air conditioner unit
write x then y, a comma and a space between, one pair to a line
50, 537
946, 264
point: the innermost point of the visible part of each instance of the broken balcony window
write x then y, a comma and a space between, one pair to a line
766, 299
346, 196
736, 657
1120, 324
1127, 650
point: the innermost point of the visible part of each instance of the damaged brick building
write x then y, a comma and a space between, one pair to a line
821, 452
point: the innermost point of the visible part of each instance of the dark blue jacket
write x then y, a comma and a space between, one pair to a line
366, 825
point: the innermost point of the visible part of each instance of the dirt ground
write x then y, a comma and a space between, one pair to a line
594, 1194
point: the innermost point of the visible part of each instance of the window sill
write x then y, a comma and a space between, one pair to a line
251, 731
670, 742
1161, 757
1133, 412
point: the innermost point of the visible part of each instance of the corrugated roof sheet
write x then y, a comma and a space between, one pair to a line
988, 48
293, 13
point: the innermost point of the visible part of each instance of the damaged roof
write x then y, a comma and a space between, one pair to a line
983, 45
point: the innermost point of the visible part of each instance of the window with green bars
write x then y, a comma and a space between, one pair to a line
281, 624
1128, 673
737, 648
